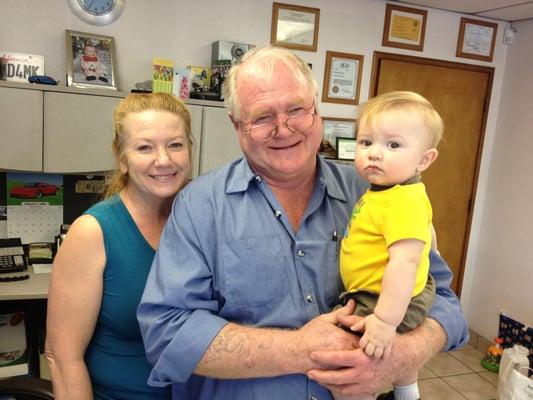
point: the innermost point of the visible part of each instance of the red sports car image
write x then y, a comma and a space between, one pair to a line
34, 190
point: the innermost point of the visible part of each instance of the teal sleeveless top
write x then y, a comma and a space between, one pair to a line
115, 356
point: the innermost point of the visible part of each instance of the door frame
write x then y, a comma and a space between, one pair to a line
376, 64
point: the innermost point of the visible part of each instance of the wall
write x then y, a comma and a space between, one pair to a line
500, 277
184, 30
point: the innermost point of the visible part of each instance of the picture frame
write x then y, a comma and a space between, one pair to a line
295, 27
334, 128
342, 78
346, 148
91, 61
476, 39
404, 28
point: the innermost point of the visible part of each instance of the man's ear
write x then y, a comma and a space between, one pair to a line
427, 159
234, 122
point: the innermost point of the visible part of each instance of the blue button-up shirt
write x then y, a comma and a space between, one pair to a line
228, 253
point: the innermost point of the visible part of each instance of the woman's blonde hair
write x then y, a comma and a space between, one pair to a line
371, 110
265, 60
136, 103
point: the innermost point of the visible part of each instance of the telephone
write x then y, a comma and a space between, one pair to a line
12, 257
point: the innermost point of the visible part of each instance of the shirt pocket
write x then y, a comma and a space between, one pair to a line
332, 281
254, 271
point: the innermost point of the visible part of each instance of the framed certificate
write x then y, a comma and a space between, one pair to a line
345, 148
295, 27
334, 128
476, 39
342, 78
404, 27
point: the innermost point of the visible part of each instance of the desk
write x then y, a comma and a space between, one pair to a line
30, 297
34, 288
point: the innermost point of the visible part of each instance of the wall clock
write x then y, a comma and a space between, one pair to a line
97, 12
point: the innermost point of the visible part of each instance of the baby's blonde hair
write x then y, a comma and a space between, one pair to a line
373, 108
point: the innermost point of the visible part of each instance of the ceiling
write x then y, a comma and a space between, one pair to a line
503, 10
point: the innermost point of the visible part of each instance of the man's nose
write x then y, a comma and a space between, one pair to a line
281, 124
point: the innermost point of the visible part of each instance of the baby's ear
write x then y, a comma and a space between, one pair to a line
427, 159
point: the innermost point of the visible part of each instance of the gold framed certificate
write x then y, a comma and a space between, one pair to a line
476, 39
405, 27
342, 78
295, 27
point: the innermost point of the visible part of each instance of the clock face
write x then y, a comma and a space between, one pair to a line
97, 12
97, 7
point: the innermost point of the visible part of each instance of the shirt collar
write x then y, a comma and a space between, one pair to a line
242, 175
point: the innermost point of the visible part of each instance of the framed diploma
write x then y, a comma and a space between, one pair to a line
345, 149
295, 27
334, 128
342, 78
404, 27
476, 39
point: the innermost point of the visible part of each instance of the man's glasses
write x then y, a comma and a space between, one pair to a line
265, 128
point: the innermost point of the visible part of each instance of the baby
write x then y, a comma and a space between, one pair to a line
384, 261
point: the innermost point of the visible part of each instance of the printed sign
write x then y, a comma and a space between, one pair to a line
19, 67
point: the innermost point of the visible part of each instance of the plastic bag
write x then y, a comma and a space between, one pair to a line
519, 386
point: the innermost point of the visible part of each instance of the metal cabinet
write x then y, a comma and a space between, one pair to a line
52, 129
21, 127
220, 143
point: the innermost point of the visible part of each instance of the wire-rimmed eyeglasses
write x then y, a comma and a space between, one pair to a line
265, 128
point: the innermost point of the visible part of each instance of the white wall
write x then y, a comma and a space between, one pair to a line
184, 31
502, 273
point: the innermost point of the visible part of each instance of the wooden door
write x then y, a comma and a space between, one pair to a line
460, 93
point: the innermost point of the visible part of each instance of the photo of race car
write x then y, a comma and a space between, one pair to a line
34, 190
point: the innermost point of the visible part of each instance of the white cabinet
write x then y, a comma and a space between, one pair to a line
70, 130
78, 132
55, 129
220, 143
21, 126
196, 126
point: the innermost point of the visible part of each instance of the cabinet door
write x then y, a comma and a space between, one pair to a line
21, 137
78, 132
196, 126
220, 143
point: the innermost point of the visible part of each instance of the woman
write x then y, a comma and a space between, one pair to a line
93, 345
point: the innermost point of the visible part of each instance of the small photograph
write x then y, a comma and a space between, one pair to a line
333, 129
90, 60
24, 188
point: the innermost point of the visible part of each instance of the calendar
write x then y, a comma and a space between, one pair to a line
34, 222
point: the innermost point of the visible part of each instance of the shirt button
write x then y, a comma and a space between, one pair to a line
313, 397
301, 253
309, 299
278, 213
258, 178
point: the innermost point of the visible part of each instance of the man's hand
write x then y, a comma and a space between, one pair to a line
323, 333
378, 336
351, 372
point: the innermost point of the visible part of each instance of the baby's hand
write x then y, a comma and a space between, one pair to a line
378, 336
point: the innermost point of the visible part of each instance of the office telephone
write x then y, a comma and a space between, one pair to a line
12, 257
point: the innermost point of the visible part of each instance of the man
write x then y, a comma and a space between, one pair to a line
248, 261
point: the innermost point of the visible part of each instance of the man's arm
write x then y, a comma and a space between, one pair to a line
359, 373
444, 329
245, 352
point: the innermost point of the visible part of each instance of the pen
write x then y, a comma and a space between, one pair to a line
334, 237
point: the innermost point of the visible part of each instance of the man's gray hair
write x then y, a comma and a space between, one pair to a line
265, 59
